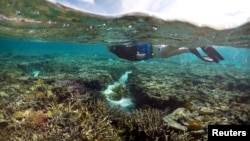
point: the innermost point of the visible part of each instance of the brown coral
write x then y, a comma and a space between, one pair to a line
36, 118
194, 125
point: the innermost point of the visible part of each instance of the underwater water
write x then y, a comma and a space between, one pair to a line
59, 81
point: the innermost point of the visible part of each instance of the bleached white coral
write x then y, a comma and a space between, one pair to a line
125, 103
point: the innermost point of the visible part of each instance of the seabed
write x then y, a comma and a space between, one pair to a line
60, 97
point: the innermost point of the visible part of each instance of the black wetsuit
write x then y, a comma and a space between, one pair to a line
130, 52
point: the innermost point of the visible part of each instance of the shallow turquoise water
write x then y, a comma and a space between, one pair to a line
36, 48
234, 57
83, 71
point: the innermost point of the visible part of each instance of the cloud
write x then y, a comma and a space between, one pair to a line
219, 14
87, 1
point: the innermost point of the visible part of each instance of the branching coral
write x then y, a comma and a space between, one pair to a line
144, 124
147, 124
64, 116
64, 113
95, 127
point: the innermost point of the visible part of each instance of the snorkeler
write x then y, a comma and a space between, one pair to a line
139, 52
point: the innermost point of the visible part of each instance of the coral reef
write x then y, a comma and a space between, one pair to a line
119, 92
70, 119
65, 101
147, 125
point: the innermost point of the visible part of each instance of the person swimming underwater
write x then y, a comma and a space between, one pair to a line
137, 52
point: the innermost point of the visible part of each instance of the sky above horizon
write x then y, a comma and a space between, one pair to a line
218, 14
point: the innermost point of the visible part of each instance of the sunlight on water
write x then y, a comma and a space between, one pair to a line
49, 22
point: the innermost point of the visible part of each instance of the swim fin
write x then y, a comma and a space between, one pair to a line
213, 55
